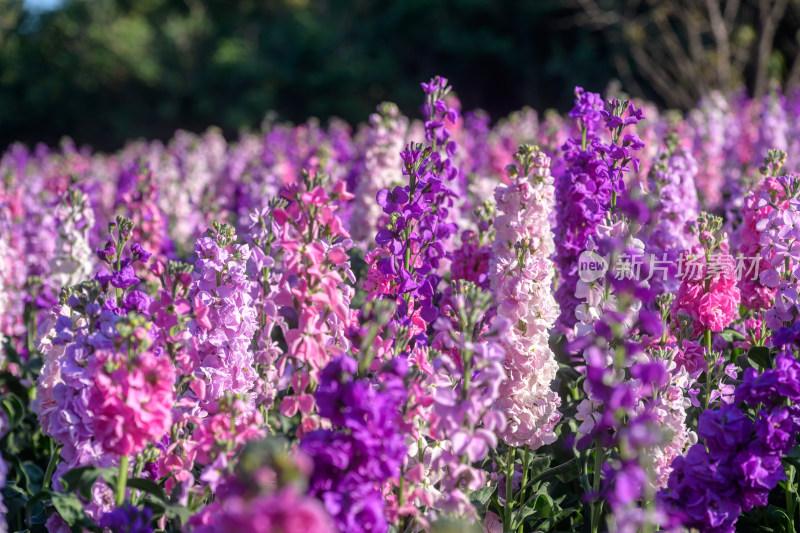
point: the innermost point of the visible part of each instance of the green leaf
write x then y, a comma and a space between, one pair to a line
731, 335
182, 514
14, 499
149, 487
549, 472
14, 408
481, 496
759, 357
550, 523
34, 475
543, 505
520, 515
778, 516
12, 384
537, 466
21, 475
70, 507
37, 500
83, 478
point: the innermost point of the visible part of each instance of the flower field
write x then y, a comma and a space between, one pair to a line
581, 322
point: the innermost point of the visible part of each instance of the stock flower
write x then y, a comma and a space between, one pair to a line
137, 301
772, 385
739, 461
400, 400
712, 133
672, 182
408, 262
221, 341
755, 294
471, 261
365, 450
73, 261
264, 494
131, 400
590, 185
464, 418
691, 357
381, 159
138, 195
710, 294
128, 519
521, 275
285, 511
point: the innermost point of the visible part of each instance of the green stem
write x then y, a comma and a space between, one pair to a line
403, 520
509, 490
525, 464
29, 333
119, 267
137, 473
550, 472
597, 503
790, 496
525, 459
401, 490
122, 480
51, 466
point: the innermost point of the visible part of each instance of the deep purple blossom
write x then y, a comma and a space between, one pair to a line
108, 253
137, 301
391, 201
772, 386
739, 462
139, 254
725, 431
364, 450
124, 278
128, 519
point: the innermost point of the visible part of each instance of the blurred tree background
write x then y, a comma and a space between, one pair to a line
105, 71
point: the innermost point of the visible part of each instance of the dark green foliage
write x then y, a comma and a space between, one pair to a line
105, 71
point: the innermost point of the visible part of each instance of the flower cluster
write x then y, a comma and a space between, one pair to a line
709, 127
137, 195
739, 461
755, 294
262, 236
102, 393
264, 494
225, 319
363, 451
780, 251
281, 371
411, 245
587, 189
73, 258
464, 419
314, 246
708, 291
313, 291
521, 275
385, 140
131, 399
672, 181
633, 411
